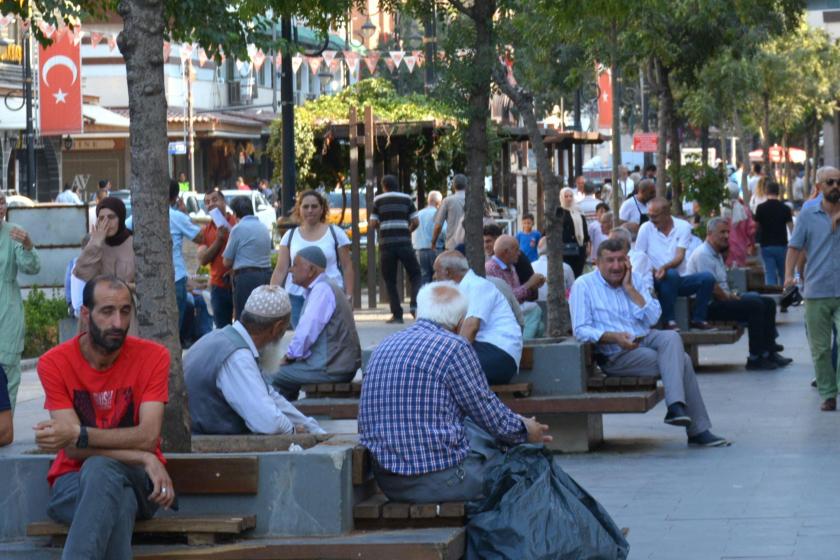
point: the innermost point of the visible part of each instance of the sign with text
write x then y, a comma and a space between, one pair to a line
177, 148
645, 142
60, 87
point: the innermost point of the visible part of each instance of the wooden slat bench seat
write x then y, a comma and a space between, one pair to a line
598, 382
377, 512
191, 476
354, 390
590, 403
693, 339
198, 530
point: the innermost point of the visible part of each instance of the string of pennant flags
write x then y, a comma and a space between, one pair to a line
332, 59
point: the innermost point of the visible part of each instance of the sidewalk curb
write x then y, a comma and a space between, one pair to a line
29, 363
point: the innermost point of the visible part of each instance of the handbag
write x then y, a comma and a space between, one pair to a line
571, 249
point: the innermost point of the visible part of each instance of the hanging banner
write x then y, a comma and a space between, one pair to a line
371, 60
397, 57
96, 38
60, 88
258, 59
297, 60
202, 57
605, 98
61, 31
329, 56
390, 64
314, 63
410, 61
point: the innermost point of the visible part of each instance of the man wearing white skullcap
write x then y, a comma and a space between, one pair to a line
325, 348
225, 387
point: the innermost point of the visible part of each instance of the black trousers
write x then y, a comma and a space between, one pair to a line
389, 258
245, 282
758, 312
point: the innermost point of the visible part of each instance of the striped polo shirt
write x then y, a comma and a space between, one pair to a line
394, 212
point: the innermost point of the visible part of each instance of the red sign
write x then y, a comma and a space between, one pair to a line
605, 99
645, 142
60, 87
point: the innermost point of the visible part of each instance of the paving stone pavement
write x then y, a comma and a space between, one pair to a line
774, 494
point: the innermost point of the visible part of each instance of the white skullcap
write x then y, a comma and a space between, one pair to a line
271, 302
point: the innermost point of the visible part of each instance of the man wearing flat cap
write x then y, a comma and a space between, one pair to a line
325, 347
226, 390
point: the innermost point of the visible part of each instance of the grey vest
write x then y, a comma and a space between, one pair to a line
210, 412
343, 353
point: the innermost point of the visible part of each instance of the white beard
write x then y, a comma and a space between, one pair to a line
270, 357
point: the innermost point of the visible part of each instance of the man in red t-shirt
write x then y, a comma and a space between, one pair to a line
105, 392
210, 253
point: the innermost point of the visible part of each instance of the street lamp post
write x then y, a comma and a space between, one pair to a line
287, 114
29, 187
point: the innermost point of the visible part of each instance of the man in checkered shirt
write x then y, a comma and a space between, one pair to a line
427, 414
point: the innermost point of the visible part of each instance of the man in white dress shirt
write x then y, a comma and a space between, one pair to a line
225, 387
490, 325
625, 183
666, 241
611, 309
634, 212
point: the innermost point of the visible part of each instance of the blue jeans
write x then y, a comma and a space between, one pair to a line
222, 301
774, 264
673, 285
297, 307
181, 299
498, 366
426, 258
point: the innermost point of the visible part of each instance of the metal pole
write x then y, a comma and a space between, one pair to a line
191, 127
274, 65
648, 157
578, 149
30, 131
287, 102
431, 51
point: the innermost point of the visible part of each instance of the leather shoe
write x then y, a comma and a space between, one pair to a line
761, 363
672, 326
677, 415
778, 347
701, 325
395, 321
780, 360
829, 405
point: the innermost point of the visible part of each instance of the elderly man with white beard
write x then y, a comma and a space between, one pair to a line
225, 387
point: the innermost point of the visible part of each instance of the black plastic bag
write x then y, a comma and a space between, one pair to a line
533, 510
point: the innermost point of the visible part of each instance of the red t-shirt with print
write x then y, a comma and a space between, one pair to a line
103, 399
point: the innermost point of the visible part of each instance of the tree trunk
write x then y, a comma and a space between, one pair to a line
765, 135
617, 197
704, 144
558, 321
141, 44
674, 155
663, 114
806, 177
476, 140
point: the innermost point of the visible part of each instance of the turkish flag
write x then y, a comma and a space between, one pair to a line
605, 98
60, 87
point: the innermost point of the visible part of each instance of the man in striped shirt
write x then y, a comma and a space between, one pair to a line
427, 414
611, 309
395, 215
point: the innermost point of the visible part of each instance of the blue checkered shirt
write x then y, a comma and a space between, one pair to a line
419, 386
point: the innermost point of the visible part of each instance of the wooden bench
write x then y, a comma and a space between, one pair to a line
190, 476
377, 512
722, 334
354, 390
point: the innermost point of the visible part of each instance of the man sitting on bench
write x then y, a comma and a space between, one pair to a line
427, 414
226, 390
325, 347
490, 325
759, 312
505, 254
105, 392
611, 309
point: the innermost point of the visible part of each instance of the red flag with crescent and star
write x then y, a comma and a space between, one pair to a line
60, 87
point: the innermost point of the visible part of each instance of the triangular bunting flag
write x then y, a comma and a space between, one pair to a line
354, 66
112, 42
185, 52
371, 60
397, 57
314, 63
6, 20
96, 38
334, 65
410, 61
297, 60
239, 64
420, 57
329, 56
278, 60
258, 59
78, 35
47, 29
252, 50
202, 57
390, 64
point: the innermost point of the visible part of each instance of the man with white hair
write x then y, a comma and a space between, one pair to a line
490, 325
506, 252
325, 347
625, 184
427, 414
421, 237
225, 387
451, 213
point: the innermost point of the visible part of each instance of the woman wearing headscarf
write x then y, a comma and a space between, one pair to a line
110, 249
742, 229
575, 232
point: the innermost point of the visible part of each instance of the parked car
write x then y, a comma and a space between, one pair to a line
262, 209
13, 200
345, 220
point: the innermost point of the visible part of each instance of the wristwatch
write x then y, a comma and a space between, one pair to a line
82, 442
